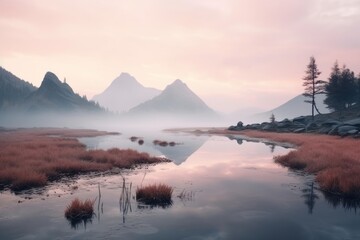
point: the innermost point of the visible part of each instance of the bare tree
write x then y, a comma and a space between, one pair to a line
313, 86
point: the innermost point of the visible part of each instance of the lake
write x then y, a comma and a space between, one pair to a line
224, 188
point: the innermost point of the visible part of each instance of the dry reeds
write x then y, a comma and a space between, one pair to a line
155, 195
335, 161
30, 158
80, 211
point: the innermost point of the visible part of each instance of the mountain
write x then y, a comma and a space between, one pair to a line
176, 100
294, 108
124, 93
54, 95
13, 90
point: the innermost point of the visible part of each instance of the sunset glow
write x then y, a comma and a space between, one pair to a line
252, 53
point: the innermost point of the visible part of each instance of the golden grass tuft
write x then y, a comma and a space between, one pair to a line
155, 194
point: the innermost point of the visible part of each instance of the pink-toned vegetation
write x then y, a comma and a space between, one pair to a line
29, 158
334, 160
155, 194
79, 210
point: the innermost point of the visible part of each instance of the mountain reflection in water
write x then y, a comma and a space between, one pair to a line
222, 190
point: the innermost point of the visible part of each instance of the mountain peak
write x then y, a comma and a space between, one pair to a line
125, 92
51, 77
177, 85
52, 83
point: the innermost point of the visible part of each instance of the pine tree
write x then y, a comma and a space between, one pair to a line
341, 91
313, 86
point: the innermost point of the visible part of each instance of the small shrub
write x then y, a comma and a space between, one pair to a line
155, 194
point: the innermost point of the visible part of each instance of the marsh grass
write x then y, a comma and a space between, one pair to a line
31, 158
155, 195
334, 160
80, 211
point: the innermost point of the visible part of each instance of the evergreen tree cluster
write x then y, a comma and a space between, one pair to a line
343, 89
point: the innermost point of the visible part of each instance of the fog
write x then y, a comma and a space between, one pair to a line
110, 121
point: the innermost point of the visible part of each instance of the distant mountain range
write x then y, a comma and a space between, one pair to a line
52, 96
124, 93
176, 100
13, 90
295, 107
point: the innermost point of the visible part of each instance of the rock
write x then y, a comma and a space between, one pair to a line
267, 127
334, 130
353, 132
354, 122
311, 126
345, 129
299, 130
329, 123
232, 128
324, 130
301, 119
240, 124
284, 124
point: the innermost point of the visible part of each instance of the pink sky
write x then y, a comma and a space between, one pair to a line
233, 53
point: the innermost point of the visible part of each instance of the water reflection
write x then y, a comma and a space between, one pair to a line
222, 191
125, 200
347, 203
76, 223
310, 197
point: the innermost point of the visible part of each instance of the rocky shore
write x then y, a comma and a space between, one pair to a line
305, 124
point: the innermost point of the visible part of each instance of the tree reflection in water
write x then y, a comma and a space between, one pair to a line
310, 197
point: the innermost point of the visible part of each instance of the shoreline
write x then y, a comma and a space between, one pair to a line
334, 160
32, 157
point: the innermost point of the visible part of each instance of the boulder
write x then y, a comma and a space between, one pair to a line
311, 126
240, 124
347, 130
267, 127
301, 119
329, 123
233, 128
354, 122
299, 130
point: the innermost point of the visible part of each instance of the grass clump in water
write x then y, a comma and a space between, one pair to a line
155, 195
80, 211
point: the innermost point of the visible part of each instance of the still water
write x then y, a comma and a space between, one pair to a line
224, 188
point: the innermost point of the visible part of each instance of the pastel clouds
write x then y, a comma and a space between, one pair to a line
226, 51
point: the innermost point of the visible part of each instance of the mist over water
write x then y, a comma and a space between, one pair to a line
224, 188
107, 121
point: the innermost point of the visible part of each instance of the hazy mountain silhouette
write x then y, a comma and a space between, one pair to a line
295, 107
176, 100
13, 90
54, 95
124, 93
